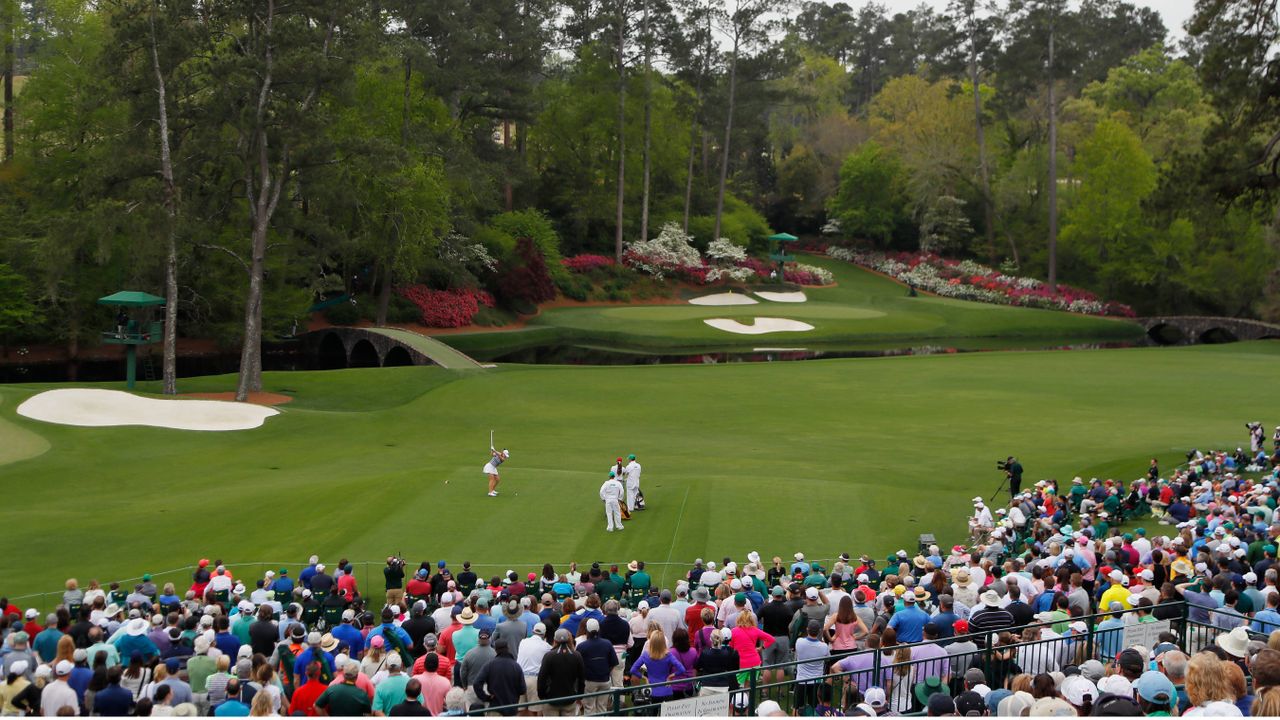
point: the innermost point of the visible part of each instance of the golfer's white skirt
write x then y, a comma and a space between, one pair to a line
489, 469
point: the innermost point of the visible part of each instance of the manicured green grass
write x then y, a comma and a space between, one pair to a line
863, 309
819, 456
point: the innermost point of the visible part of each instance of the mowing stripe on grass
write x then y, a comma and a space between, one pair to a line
674, 535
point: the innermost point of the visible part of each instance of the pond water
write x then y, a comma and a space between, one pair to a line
590, 355
289, 356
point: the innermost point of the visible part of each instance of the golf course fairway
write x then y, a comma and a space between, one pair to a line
818, 456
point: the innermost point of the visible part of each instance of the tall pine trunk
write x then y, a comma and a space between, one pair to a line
622, 127
8, 21
1053, 169
728, 133
170, 362
988, 206
648, 124
694, 126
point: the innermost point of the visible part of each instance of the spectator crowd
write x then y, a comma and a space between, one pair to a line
1034, 616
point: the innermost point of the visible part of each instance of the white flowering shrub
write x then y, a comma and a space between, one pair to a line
670, 253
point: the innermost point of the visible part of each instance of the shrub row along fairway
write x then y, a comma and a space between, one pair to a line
862, 308
819, 456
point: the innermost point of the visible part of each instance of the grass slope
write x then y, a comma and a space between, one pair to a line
820, 456
862, 309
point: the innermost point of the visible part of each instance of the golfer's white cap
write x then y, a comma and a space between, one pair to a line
506, 453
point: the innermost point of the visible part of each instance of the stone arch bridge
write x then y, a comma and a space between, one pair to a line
1192, 330
357, 347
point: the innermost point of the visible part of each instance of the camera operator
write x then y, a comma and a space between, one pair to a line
1013, 472
394, 573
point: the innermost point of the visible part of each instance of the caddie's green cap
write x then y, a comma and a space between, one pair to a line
631, 456
146, 577
1128, 537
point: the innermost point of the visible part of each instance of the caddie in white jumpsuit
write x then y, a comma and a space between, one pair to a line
632, 471
611, 495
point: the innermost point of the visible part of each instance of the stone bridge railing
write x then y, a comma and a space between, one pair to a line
350, 347
1191, 330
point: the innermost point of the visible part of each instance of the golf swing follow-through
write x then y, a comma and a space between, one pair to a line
491, 467
620, 492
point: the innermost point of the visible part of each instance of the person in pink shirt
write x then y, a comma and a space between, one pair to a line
746, 640
362, 680
434, 686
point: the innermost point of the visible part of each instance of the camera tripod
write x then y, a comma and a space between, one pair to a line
999, 489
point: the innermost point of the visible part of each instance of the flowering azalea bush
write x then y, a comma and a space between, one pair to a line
671, 254
446, 308
727, 258
586, 262
802, 274
969, 280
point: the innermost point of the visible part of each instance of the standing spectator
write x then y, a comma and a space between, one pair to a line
658, 665
562, 675
46, 643
393, 575
718, 665
844, 628
413, 704
434, 685
501, 681
344, 700
113, 700
688, 657
390, 689
233, 705
599, 659
59, 694
811, 654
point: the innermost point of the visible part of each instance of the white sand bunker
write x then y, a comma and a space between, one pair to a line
791, 297
106, 408
728, 298
761, 326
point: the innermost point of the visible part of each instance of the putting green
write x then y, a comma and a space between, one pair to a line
819, 456
863, 309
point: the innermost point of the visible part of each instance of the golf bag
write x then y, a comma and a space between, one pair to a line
639, 499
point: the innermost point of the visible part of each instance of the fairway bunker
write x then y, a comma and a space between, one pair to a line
721, 299
760, 326
107, 408
783, 297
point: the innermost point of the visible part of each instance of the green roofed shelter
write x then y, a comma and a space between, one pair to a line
131, 332
131, 298
779, 251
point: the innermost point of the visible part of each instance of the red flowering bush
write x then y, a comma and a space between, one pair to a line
586, 262
446, 308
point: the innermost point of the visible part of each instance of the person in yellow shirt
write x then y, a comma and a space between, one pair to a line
1117, 592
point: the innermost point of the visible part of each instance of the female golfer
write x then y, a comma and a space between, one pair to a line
491, 469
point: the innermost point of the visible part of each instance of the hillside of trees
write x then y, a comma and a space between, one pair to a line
247, 158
